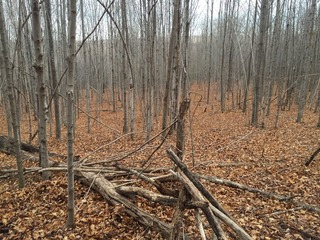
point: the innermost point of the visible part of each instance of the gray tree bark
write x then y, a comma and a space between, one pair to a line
173, 54
307, 63
260, 59
38, 66
53, 70
72, 14
87, 81
10, 93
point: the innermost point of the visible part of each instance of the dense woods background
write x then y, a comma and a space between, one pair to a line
63, 61
141, 54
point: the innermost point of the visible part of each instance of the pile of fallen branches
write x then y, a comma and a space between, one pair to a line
191, 195
177, 188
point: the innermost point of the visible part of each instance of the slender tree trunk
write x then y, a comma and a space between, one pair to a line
124, 70
86, 78
247, 82
307, 63
70, 109
184, 83
6, 102
222, 84
10, 93
150, 26
173, 48
261, 55
112, 65
42, 110
53, 70
210, 55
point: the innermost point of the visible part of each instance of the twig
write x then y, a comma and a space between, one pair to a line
281, 212
138, 148
312, 157
83, 160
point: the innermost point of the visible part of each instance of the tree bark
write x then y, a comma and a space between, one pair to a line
307, 63
260, 62
72, 13
53, 70
42, 109
10, 94
173, 48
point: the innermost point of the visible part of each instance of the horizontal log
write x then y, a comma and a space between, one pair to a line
107, 190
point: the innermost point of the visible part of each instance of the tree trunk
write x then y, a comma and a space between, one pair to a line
247, 81
307, 63
210, 54
124, 69
173, 55
10, 93
53, 70
70, 110
86, 78
42, 110
260, 59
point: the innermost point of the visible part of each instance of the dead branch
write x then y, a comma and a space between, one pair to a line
107, 190
279, 197
149, 195
211, 218
282, 212
242, 234
197, 190
312, 157
232, 184
176, 230
195, 181
128, 154
162, 189
302, 233
200, 225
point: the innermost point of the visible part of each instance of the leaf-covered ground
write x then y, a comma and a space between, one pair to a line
218, 144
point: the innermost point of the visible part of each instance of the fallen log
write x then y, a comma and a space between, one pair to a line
107, 190
149, 195
197, 190
6, 146
242, 234
195, 181
211, 218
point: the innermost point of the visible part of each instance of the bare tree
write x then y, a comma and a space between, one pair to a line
223, 33
247, 81
124, 69
85, 69
72, 13
53, 70
42, 109
260, 62
10, 93
307, 60
210, 52
172, 60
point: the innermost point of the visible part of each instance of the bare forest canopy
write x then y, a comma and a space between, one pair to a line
228, 40
239, 49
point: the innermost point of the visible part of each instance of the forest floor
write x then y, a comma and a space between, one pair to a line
218, 144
